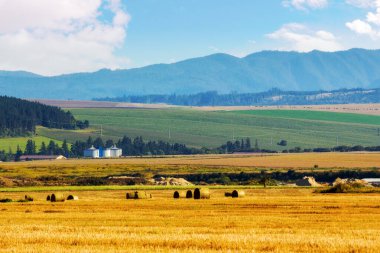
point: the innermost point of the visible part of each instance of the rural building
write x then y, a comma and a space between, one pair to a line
116, 152
106, 153
41, 157
91, 152
113, 152
372, 181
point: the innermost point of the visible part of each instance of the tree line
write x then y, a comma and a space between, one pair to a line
270, 97
20, 117
139, 147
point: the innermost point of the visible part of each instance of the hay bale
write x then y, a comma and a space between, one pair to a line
228, 194
202, 193
57, 197
141, 195
238, 194
179, 194
138, 195
130, 195
28, 198
48, 198
189, 194
72, 197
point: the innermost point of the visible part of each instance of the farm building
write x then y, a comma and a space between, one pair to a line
91, 152
116, 152
113, 152
41, 157
372, 181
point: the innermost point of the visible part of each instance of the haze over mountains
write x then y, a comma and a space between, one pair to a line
355, 68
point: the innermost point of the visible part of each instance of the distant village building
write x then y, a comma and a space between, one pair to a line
41, 157
113, 152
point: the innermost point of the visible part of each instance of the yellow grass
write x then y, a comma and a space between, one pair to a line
275, 220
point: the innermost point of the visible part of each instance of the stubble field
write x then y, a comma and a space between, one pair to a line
267, 220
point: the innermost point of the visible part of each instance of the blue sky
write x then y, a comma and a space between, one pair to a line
53, 37
169, 30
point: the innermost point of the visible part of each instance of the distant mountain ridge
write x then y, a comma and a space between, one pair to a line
258, 72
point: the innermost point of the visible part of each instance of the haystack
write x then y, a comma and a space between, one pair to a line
202, 193
130, 195
238, 194
179, 194
48, 198
138, 195
189, 194
57, 197
350, 181
228, 194
307, 181
72, 197
28, 198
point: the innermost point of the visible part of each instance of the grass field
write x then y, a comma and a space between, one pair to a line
12, 143
272, 220
211, 129
191, 164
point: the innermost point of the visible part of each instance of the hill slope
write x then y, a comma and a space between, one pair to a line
211, 129
355, 68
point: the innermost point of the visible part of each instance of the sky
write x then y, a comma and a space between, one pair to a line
53, 37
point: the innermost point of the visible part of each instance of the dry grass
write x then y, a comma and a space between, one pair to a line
193, 164
372, 109
291, 220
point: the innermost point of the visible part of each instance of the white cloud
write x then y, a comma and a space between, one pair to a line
362, 3
369, 26
302, 39
306, 4
55, 36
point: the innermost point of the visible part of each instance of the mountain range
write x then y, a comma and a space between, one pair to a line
316, 70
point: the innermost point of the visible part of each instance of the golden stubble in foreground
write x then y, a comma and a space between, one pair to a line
273, 220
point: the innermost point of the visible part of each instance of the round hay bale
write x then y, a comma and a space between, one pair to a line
72, 197
189, 194
130, 195
28, 198
141, 195
57, 197
238, 194
48, 198
228, 194
179, 194
202, 193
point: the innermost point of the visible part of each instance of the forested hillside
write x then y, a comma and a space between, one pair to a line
20, 117
271, 97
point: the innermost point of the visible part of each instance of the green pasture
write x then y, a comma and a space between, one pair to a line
305, 129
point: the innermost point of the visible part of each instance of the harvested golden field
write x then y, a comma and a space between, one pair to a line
267, 220
191, 164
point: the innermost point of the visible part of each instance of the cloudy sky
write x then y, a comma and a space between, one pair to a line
53, 37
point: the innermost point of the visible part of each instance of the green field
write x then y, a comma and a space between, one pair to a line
305, 129
12, 143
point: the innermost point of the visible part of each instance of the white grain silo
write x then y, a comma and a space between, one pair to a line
91, 152
116, 152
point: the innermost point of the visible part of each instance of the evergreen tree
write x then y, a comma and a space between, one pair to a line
65, 149
30, 148
18, 154
43, 150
